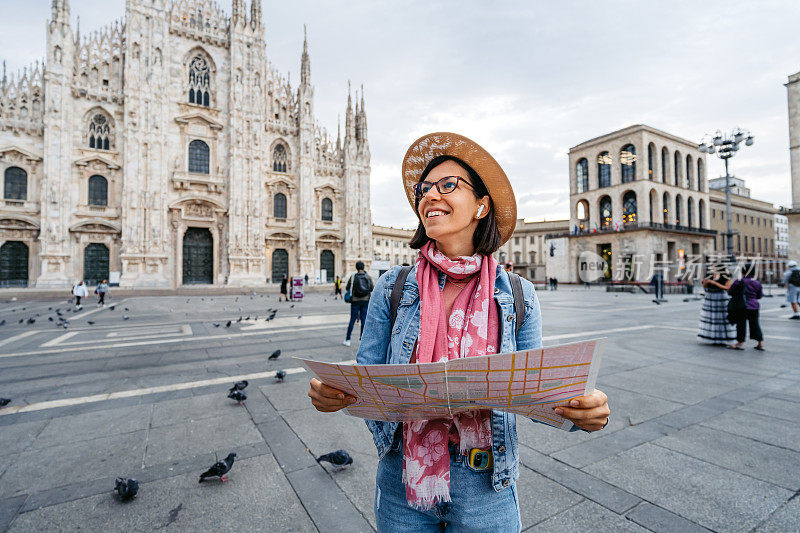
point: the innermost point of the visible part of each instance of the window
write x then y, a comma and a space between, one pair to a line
689, 171
629, 208
678, 210
198, 157
532, 257
701, 209
651, 161
516, 240
199, 81
627, 162
690, 213
700, 176
327, 209
713, 213
279, 160
605, 212
664, 166
665, 203
15, 184
677, 176
279, 205
604, 169
582, 173
98, 191
531, 239
99, 132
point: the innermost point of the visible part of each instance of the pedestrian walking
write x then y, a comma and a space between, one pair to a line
458, 472
337, 288
79, 290
714, 325
555, 283
101, 291
305, 280
657, 282
360, 287
791, 279
749, 289
284, 288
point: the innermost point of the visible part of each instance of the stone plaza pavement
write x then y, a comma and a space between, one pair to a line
700, 438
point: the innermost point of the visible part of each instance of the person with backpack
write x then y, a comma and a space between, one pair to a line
791, 279
359, 286
454, 301
79, 290
743, 308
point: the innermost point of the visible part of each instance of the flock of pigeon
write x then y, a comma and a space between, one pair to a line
128, 488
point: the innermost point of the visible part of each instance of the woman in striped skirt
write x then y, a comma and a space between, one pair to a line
714, 326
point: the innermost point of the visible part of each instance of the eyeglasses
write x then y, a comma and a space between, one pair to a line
445, 185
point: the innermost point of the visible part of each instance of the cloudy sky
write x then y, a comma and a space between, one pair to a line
525, 79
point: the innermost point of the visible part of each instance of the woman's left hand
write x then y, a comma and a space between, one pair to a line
587, 412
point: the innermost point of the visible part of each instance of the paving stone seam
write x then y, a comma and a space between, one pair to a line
751, 438
678, 522
776, 510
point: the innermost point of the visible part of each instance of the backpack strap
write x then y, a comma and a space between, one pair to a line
519, 299
397, 292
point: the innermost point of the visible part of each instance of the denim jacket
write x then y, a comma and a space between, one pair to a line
382, 346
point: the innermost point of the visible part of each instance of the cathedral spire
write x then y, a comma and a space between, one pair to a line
78, 32
363, 115
349, 125
338, 121
237, 14
61, 11
305, 63
255, 14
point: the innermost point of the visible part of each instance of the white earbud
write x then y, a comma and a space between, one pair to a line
480, 210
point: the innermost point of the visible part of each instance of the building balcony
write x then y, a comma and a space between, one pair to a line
635, 226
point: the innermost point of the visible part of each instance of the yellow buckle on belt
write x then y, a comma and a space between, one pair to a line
480, 459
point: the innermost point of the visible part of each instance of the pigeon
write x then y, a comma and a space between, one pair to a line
228, 324
216, 324
219, 469
21, 320
300, 316
50, 318
4, 401
238, 395
280, 375
3, 322
125, 317
127, 309
339, 459
239, 385
187, 300
49, 308
90, 322
291, 306
275, 355
171, 310
239, 319
31, 320
112, 307
126, 488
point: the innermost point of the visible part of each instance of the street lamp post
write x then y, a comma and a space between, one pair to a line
726, 146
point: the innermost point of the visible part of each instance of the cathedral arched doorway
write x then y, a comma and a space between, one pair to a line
95, 263
327, 262
280, 265
198, 256
14, 264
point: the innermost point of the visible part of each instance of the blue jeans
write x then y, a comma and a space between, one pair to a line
475, 505
357, 310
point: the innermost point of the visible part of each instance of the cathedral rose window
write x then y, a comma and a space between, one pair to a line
279, 158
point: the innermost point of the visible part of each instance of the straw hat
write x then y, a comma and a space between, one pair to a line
432, 145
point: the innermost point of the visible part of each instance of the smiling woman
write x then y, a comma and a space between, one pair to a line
455, 301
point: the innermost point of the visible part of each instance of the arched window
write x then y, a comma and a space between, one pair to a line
678, 210
664, 165
15, 184
605, 212
700, 176
279, 158
689, 165
604, 169
99, 132
198, 157
653, 197
677, 165
629, 208
690, 213
582, 173
199, 82
665, 203
627, 163
583, 215
700, 216
651, 161
327, 209
279, 205
98, 191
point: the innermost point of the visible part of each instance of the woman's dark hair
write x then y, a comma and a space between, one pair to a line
486, 238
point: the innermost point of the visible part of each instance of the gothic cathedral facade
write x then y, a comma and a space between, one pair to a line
166, 150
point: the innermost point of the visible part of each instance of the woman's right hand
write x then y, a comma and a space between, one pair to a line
327, 399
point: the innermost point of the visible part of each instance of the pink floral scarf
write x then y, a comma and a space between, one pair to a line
471, 330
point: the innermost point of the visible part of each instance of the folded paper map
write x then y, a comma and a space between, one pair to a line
528, 383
